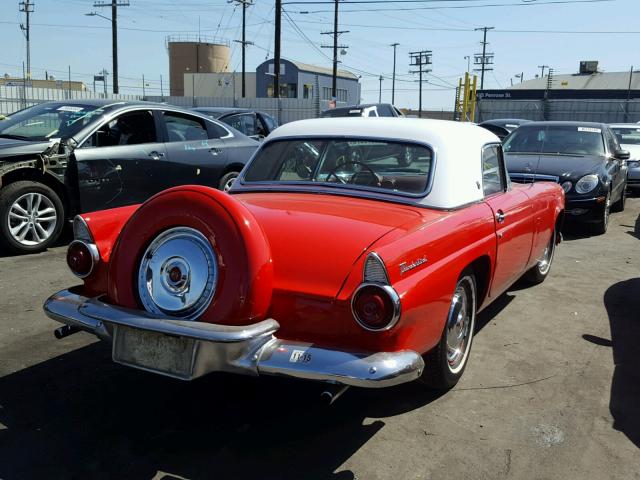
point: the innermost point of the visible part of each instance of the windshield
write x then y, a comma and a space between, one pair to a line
627, 135
394, 167
49, 120
559, 139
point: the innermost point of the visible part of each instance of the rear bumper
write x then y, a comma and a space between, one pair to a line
187, 349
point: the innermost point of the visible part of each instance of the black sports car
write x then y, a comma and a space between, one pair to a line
58, 159
502, 127
585, 158
253, 123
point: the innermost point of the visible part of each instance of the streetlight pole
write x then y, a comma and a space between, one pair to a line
468, 59
393, 80
380, 92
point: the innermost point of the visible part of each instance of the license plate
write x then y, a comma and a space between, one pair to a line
153, 351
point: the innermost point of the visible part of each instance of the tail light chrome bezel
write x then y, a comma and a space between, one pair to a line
375, 275
93, 252
393, 296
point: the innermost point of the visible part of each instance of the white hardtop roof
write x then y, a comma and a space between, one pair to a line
457, 148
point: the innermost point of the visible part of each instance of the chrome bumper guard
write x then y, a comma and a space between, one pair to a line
188, 349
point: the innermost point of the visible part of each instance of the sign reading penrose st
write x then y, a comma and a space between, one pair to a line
510, 94
556, 94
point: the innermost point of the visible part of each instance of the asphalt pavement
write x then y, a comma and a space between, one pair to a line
552, 391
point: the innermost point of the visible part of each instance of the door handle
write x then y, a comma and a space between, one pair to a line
156, 155
500, 216
215, 150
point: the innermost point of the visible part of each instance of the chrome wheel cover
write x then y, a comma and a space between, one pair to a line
607, 209
32, 219
229, 183
460, 324
178, 274
544, 264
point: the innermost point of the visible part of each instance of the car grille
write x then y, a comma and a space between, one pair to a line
530, 178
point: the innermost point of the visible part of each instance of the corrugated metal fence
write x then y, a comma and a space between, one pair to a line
13, 98
605, 111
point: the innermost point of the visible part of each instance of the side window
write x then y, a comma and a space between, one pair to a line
242, 122
217, 131
184, 128
270, 121
492, 173
132, 128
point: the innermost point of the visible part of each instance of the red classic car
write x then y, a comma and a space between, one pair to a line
350, 251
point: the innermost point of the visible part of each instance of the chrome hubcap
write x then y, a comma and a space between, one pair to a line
178, 274
544, 264
32, 219
460, 324
229, 184
607, 207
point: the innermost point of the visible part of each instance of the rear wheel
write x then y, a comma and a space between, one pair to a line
539, 272
31, 217
600, 227
445, 364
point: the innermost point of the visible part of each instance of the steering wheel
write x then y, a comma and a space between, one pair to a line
352, 178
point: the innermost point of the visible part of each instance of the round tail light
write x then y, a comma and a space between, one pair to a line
376, 307
81, 258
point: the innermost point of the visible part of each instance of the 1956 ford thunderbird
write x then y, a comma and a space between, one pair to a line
351, 251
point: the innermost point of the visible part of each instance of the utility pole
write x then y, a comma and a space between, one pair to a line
335, 47
542, 67
114, 4
276, 47
393, 80
421, 59
483, 59
380, 92
245, 4
27, 7
468, 59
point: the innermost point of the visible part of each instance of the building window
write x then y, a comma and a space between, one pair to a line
341, 95
307, 90
326, 93
272, 68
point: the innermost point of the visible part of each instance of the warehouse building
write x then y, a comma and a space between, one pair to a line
588, 95
301, 80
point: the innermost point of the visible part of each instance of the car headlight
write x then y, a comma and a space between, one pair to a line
587, 183
566, 186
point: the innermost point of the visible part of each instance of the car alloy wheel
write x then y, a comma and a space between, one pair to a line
32, 219
460, 324
544, 264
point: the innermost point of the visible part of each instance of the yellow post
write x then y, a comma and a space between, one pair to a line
465, 99
472, 107
458, 103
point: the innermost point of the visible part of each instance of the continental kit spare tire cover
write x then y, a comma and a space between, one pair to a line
239, 250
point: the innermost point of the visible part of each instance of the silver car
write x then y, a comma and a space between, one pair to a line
629, 138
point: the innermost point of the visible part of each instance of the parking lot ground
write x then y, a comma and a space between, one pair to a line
552, 391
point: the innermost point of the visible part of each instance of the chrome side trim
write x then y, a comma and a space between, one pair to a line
249, 350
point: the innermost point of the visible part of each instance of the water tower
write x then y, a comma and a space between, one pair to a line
195, 54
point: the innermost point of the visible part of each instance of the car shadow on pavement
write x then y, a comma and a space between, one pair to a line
81, 416
622, 301
65, 238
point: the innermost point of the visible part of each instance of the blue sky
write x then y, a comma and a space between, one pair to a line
526, 35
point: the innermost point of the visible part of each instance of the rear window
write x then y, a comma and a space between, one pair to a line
559, 139
393, 167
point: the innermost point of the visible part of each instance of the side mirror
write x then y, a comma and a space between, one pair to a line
621, 154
